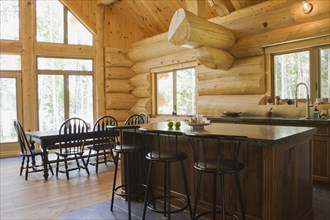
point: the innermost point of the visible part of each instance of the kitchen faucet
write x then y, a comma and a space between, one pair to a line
307, 98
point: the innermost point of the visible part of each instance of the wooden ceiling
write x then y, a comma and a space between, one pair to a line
153, 17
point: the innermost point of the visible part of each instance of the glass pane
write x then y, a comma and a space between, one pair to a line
291, 69
164, 93
50, 23
77, 33
10, 62
9, 20
50, 101
64, 64
81, 97
325, 72
8, 109
185, 81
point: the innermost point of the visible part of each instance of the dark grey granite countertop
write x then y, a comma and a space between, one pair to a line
263, 135
271, 120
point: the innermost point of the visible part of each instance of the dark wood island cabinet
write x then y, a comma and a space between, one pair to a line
321, 140
277, 176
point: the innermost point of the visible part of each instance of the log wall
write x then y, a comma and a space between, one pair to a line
118, 87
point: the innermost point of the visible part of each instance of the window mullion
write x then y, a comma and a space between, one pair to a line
65, 19
174, 92
314, 73
66, 97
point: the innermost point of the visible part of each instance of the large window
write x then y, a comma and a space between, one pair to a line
55, 24
310, 66
9, 20
65, 89
176, 92
10, 66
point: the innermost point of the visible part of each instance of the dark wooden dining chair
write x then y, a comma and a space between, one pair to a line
145, 117
28, 150
71, 145
217, 155
102, 141
135, 119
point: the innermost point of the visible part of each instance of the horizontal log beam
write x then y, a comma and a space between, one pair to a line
120, 101
188, 30
118, 85
64, 50
236, 85
118, 72
214, 58
244, 66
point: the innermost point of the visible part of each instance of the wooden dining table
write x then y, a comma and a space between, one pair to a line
48, 140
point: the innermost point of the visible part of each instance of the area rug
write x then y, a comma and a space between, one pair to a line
102, 211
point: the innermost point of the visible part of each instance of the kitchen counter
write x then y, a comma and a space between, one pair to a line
277, 176
271, 120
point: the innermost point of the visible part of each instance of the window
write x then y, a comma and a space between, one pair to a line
65, 89
10, 66
310, 66
55, 24
9, 20
176, 92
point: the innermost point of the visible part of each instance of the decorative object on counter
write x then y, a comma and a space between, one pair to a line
290, 101
269, 100
170, 124
315, 112
323, 114
269, 113
277, 100
319, 101
198, 122
232, 114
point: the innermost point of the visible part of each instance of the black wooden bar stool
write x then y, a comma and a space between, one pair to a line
217, 155
129, 189
162, 147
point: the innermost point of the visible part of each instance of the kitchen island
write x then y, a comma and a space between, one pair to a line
277, 177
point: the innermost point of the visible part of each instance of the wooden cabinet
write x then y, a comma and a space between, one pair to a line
321, 155
321, 141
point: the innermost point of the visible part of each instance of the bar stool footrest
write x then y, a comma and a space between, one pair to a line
218, 213
161, 200
140, 191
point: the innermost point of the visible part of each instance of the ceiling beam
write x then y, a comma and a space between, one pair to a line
197, 7
236, 4
222, 7
105, 2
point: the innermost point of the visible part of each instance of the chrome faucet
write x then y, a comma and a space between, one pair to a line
307, 98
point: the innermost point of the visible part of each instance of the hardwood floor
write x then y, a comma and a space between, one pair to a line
39, 199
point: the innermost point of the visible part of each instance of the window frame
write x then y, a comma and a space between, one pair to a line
313, 46
65, 26
66, 74
17, 74
174, 72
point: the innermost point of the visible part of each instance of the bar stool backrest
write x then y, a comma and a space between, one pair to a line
71, 135
158, 141
216, 152
134, 120
126, 130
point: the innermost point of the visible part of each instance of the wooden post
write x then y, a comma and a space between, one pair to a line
99, 64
